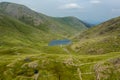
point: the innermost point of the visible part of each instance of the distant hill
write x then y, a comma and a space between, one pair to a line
100, 39
66, 26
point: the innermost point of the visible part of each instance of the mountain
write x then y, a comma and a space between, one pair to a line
66, 26
17, 36
23, 30
89, 25
100, 39
25, 54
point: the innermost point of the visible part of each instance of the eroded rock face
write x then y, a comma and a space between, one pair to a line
115, 61
22, 12
33, 64
108, 71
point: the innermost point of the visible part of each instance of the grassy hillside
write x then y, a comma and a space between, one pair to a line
41, 21
17, 37
23, 30
25, 54
100, 39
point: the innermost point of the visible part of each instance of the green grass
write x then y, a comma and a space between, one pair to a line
55, 66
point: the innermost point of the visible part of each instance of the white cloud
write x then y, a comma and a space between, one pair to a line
95, 1
70, 6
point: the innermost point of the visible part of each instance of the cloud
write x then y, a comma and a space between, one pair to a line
70, 6
116, 10
95, 1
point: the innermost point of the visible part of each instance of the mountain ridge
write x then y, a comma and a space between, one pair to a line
39, 20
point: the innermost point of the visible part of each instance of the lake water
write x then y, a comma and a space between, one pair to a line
59, 42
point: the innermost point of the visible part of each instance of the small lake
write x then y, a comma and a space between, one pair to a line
59, 42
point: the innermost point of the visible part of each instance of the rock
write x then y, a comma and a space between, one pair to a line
33, 64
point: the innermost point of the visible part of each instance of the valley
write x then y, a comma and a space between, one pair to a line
34, 46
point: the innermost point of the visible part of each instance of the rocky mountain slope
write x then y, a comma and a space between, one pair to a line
100, 39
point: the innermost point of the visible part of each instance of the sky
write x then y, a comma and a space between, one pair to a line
90, 11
